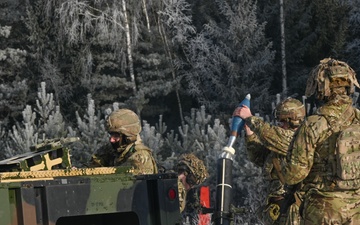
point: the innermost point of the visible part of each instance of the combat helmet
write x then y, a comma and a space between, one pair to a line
124, 121
330, 75
290, 110
195, 168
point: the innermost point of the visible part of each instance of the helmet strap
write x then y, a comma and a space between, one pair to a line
131, 139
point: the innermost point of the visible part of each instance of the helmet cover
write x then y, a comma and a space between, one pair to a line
124, 121
330, 74
290, 109
195, 167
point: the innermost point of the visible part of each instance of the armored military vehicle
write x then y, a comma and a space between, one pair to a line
42, 188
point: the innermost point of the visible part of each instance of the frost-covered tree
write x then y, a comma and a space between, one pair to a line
176, 28
123, 57
24, 135
91, 131
154, 55
44, 121
49, 61
229, 58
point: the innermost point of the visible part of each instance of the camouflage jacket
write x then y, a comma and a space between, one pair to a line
182, 195
311, 157
268, 143
135, 155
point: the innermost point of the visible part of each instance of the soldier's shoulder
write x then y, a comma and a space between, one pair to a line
142, 154
316, 124
315, 119
141, 147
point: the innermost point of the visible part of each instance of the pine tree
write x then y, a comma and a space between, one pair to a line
49, 62
153, 139
314, 30
229, 59
353, 44
92, 132
24, 135
13, 88
123, 56
42, 122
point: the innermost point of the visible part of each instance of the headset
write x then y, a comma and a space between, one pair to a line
190, 177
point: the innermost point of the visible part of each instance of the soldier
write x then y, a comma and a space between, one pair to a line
329, 172
191, 173
267, 146
125, 147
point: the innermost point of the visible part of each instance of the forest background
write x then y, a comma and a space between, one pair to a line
182, 65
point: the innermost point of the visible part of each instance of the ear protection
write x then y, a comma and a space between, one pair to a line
190, 177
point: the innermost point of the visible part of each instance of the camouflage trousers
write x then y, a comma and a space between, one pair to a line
292, 216
330, 208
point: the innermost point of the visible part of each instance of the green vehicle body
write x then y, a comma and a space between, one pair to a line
88, 196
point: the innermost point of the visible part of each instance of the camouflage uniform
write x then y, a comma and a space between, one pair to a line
311, 158
196, 173
267, 148
182, 195
131, 152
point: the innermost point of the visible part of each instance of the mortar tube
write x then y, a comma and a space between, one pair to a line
222, 214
